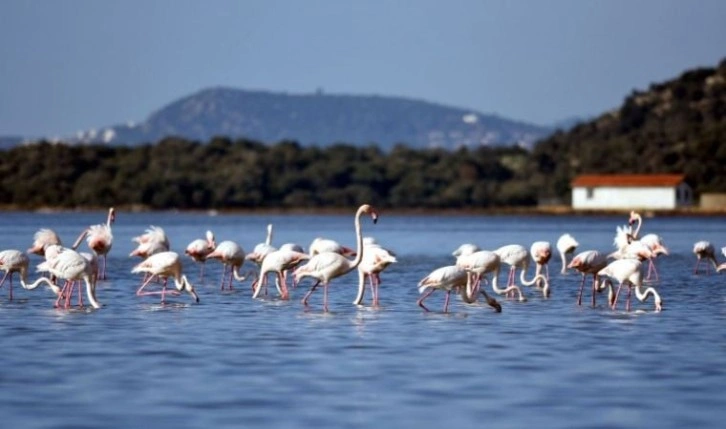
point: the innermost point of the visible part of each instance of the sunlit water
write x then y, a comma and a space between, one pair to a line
234, 361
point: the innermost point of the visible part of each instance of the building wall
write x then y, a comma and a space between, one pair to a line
624, 198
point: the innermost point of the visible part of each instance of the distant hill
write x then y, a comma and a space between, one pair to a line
678, 126
319, 119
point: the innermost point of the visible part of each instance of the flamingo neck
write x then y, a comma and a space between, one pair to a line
91, 292
358, 241
79, 240
268, 240
563, 255
537, 276
35, 284
639, 220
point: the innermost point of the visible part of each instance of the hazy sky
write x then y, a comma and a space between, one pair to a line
67, 65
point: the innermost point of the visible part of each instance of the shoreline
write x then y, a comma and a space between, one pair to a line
531, 211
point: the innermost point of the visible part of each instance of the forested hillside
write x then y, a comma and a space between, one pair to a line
674, 127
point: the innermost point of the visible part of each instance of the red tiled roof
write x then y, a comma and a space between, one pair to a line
628, 180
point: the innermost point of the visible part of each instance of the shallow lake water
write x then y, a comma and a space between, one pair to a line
234, 361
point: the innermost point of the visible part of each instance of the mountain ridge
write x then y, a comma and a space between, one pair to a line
318, 119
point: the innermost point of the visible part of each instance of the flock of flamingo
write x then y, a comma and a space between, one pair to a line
327, 260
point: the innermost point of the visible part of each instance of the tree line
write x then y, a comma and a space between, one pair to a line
245, 174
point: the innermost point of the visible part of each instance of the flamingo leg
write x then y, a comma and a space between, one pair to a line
224, 272
372, 281
423, 297
446, 301
594, 287
310, 292
695, 269
325, 297
281, 287
201, 272
617, 293
139, 291
11, 287
2, 282
61, 295
103, 276
627, 299
582, 286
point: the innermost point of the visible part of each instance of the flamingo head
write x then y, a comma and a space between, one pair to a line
633, 218
367, 208
111, 215
575, 263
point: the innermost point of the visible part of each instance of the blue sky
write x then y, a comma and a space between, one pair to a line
68, 65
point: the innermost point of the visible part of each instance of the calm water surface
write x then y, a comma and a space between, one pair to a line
234, 361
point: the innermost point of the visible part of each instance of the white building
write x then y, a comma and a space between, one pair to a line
630, 192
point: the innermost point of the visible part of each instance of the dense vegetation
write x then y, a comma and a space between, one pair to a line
176, 173
674, 127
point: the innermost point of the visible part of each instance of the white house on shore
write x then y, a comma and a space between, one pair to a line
630, 191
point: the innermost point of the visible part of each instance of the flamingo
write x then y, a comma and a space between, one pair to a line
541, 252
229, 254
465, 249
42, 239
294, 247
71, 266
588, 262
326, 266
199, 249
278, 262
153, 240
449, 278
321, 245
164, 264
262, 249
653, 241
480, 263
100, 239
375, 260
566, 245
628, 271
722, 266
704, 250
516, 256
14, 261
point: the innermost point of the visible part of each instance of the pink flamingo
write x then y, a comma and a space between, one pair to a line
566, 245
653, 241
516, 256
71, 266
100, 239
278, 262
199, 249
164, 264
262, 249
326, 266
229, 254
479, 264
449, 278
465, 249
14, 261
628, 271
541, 252
588, 262
322, 245
153, 240
375, 260
704, 250
42, 239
